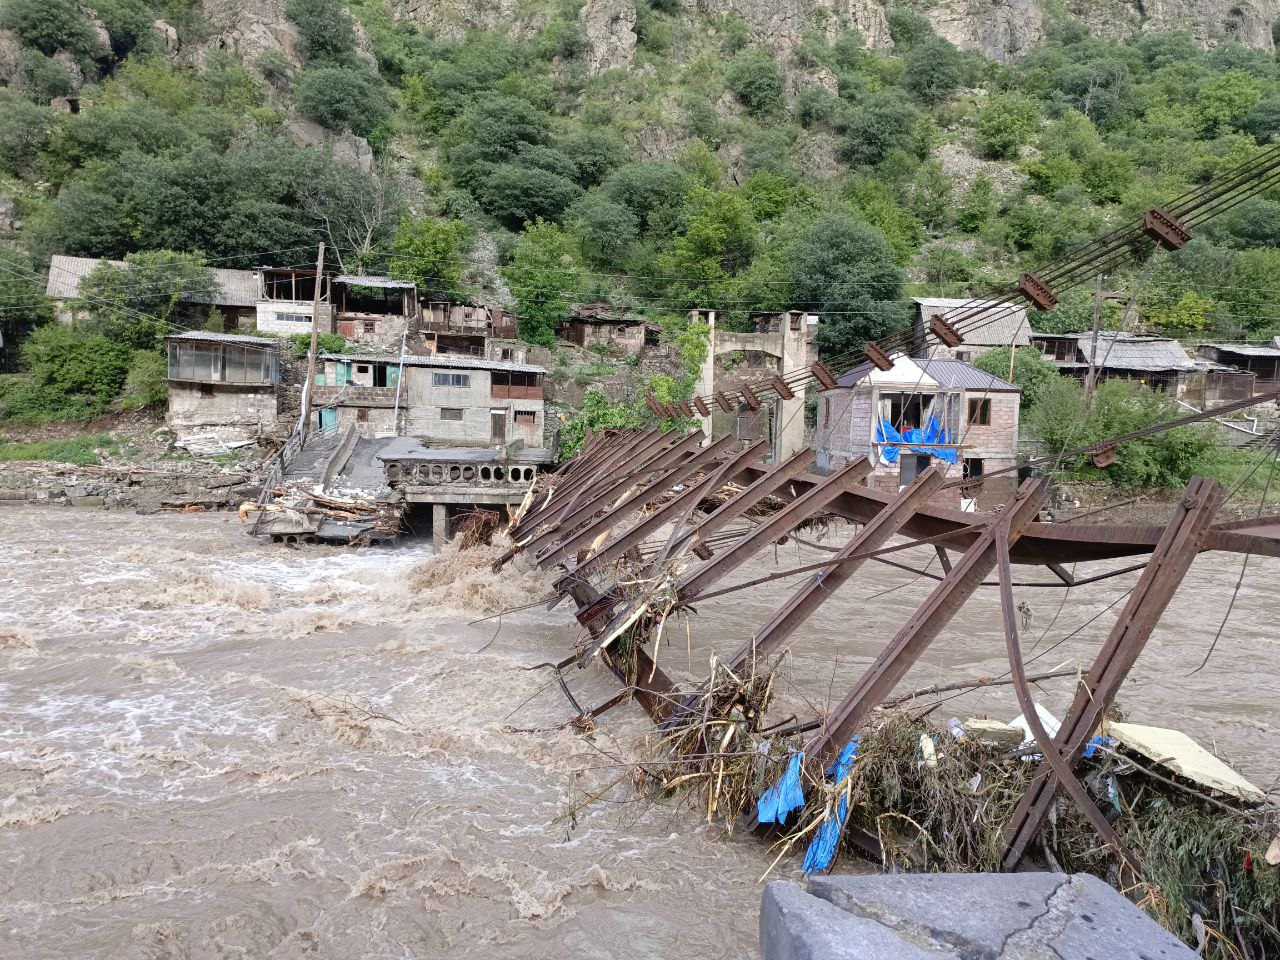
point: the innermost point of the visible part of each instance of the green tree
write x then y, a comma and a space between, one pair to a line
843, 269
431, 253
326, 34
342, 98
653, 192
756, 80
1031, 371
719, 240
907, 28
1051, 173
595, 153
146, 384
138, 303
883, 123
515, 194
934, 70
48, 25
930, 195
1006, 124
977, 205
1223, 102
1263, 119
544, 276
77, 364
598, 413
608, 229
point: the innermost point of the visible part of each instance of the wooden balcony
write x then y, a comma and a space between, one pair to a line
498, 392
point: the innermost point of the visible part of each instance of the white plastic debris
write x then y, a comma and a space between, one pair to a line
1050, 723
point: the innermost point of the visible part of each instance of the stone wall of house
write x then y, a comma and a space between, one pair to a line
619, 337
229, 412
383, 334
844, 426
424, 402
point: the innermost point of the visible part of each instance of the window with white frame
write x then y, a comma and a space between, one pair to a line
451, 379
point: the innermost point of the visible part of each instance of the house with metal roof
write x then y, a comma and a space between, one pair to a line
1262, 360
1155, 362
234, 293
374, 312
983, 324
923, 412
444, 400
223, 384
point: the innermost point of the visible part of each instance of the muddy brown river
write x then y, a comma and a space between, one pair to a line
211, 748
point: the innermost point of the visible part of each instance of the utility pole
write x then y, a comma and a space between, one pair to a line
1091, 379
311, 355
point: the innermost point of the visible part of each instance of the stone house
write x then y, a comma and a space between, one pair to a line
286, 301
224, 384
235, 292
374, 312
444, 400
1260, 360
600, 325
463, 328
1158, 363
923, 412
1000, 326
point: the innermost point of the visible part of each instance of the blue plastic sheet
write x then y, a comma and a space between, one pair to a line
784, 796
1099, 741
822, 849
929, 441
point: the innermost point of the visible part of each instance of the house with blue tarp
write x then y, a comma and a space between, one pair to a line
924, 412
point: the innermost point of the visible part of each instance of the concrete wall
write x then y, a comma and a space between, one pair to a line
229, 412
794, 350
271, 313
423, 402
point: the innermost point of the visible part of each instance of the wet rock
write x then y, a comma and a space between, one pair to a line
955, 916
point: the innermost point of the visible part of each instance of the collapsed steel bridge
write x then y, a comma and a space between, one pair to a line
673, 507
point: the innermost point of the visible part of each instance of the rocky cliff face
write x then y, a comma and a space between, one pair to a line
998, 29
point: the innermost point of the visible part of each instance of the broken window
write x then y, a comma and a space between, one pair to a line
980, 411
370, 326
362, 414
450, 413
526, 418
972, 468
451, 379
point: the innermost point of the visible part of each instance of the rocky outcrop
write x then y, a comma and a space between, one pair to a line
608, 27
10, 58
250, 28
451, 19
1002, 30
346, 146
782, 24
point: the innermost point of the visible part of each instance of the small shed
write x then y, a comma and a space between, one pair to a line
1261, 360
984, 324
222, 383
374, 311
602, 325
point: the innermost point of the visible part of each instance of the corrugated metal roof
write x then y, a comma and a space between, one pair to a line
456, 363
1127, 351
352, 280
1001, 325
232, 288
1246, 349
205, 336
957, 373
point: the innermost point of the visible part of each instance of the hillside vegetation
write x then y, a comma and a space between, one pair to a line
709, 171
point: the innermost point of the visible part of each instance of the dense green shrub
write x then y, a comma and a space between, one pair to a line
934, 70
48, 25
343, 98
1006, 124
325, 32
755, 80
431, 254
1031, 371
137, 304
77, 364
544, 275
147, 384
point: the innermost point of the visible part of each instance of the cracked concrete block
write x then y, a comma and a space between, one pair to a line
1026, 916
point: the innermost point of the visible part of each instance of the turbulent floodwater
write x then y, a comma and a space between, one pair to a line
215, 749
211, 748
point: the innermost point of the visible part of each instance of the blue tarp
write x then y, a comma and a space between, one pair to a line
915, 440
784, 796
822, 849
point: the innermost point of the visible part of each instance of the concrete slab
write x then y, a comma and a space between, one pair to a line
1026, 916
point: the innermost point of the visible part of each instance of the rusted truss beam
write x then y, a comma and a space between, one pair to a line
593, 493
824, 375
1183, 539
947, 334
663, 482
877, 355
1169, 232
623, 542
749, 397
606, 461
1037, 292
763, 486
910, 643
1022, 689
725, 403
772, 528
782, 388
814, 592
579, 529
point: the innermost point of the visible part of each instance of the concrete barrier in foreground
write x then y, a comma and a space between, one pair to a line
955, 916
